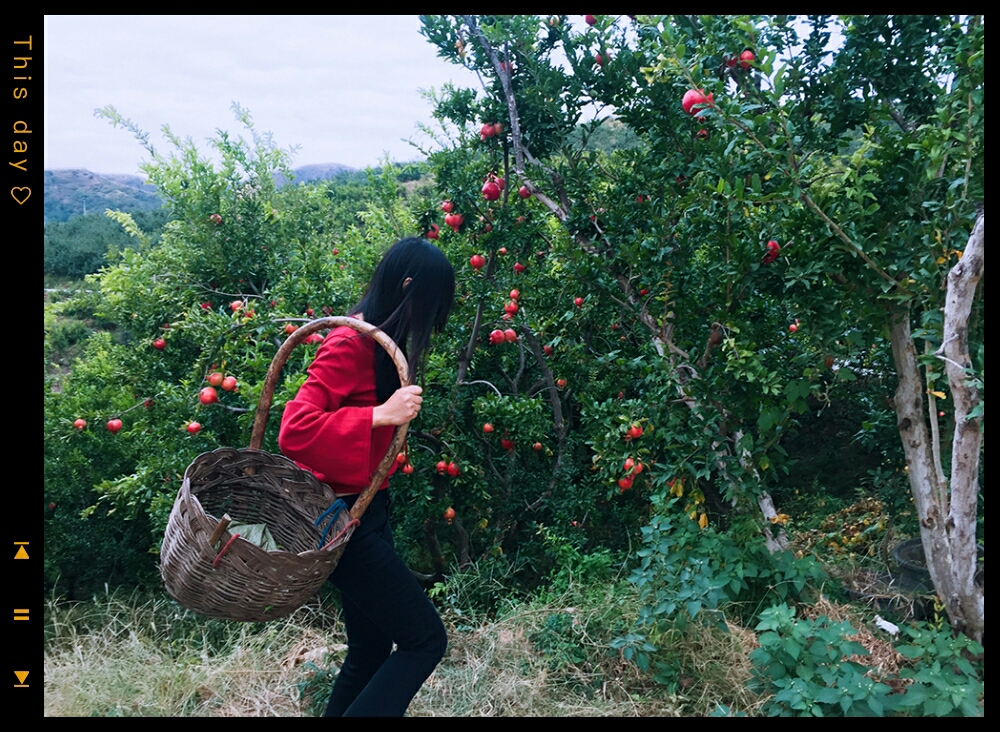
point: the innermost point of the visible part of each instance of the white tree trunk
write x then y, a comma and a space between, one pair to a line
947, 517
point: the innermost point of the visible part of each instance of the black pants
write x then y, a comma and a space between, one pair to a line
383, 604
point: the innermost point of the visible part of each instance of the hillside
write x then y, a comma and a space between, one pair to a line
71, 193
319, 171
75, 192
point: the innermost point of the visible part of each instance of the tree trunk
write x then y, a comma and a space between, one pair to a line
947, 513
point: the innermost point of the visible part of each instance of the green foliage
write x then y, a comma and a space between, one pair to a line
945, 681
687, 573
83, 245
809, 667
803, 663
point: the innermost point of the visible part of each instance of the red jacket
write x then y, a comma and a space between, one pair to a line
327, 428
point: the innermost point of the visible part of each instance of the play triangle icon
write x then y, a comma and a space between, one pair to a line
21, 676
21, 554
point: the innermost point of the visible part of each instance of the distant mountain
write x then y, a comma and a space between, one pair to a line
70, 193
310, 173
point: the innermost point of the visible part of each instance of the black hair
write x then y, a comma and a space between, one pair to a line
408, 314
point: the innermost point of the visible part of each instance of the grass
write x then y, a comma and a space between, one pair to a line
141, 655
133, 656
129, 655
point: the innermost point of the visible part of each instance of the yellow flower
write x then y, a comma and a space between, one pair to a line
703, 521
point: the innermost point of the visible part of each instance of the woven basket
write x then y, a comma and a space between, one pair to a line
219, 575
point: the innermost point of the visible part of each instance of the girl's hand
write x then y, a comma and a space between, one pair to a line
399, 409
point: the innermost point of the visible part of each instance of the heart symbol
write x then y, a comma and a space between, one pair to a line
14, 193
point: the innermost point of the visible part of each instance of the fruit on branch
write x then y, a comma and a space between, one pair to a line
746, 58
434, 233
519, 268
214, 378
114, 425
523, 192
491, 191
447, 206
194, 428
695, 100
773, 249
159, 344
80, 424
510, 335
497, 337
478, 261
208, 395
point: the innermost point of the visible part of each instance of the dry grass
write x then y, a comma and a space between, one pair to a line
130, 657
716, 667
496, 670
125, 659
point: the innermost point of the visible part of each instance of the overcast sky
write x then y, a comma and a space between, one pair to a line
344, 88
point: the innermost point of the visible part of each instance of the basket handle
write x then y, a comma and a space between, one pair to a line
274, 371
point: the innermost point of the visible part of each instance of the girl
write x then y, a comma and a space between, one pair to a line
339, 427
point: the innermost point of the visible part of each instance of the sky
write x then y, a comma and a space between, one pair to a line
346, 89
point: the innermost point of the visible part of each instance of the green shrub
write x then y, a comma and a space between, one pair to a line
807, 666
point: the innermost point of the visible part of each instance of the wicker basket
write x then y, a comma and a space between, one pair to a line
217, 574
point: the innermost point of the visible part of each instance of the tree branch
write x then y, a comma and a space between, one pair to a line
481, 381
846, 239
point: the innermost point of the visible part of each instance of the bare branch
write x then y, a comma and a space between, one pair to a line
520, 151
898, 117
478, 381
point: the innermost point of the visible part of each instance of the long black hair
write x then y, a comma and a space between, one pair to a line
408, 314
